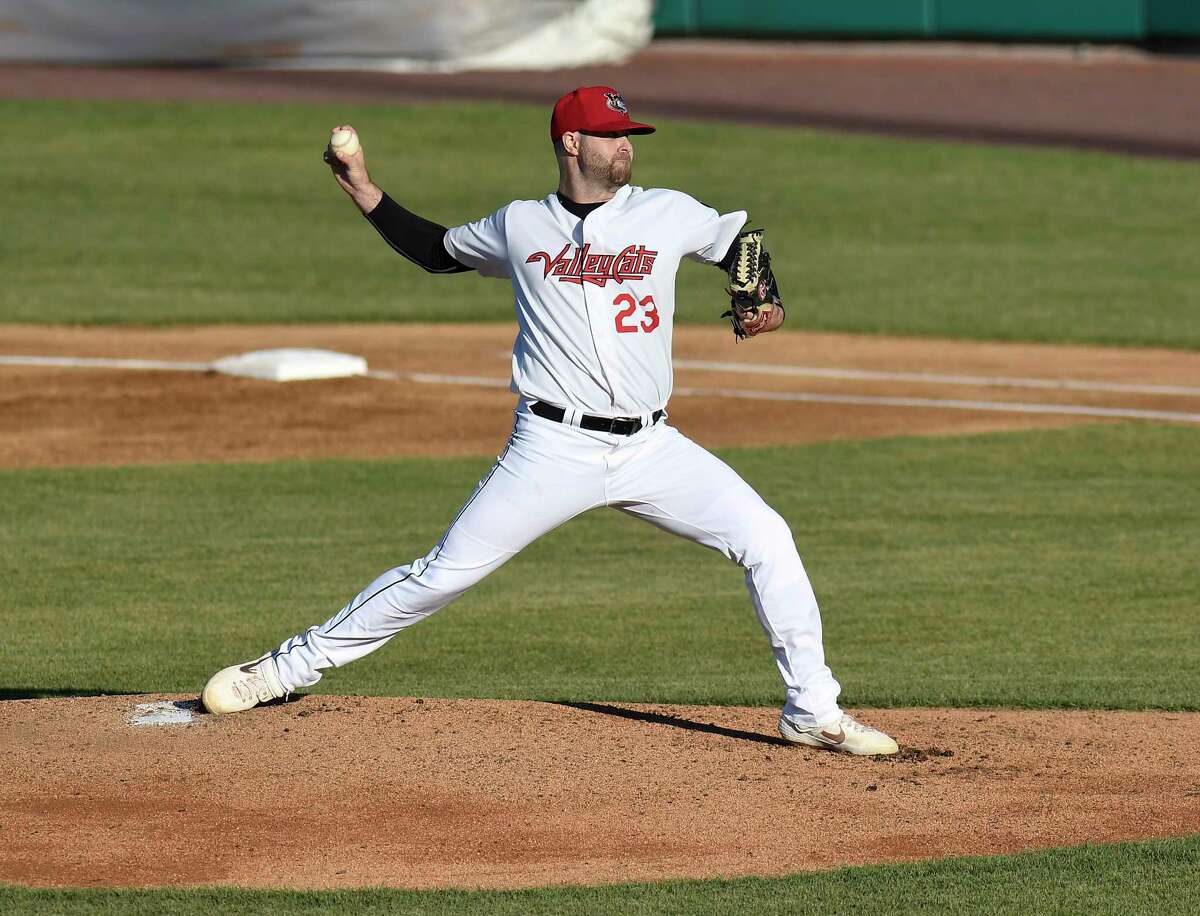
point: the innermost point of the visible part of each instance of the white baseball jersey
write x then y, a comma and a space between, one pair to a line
595, 297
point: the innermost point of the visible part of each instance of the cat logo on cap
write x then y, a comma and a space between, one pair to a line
615, 102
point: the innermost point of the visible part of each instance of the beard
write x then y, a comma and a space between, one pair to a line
613, 172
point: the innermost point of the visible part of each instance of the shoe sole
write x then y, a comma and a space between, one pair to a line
792, 736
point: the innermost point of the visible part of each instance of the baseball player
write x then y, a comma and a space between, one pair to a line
592, 268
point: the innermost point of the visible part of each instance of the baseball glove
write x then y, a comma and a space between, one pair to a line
753, 293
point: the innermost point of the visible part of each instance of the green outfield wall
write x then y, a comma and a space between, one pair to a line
1173, 18
1063, 20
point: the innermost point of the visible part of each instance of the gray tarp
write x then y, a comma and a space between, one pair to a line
378, 34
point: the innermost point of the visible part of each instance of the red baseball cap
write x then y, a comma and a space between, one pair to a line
594, 108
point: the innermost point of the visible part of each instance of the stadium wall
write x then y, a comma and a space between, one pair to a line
1069, 20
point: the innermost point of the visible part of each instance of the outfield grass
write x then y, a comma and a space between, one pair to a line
1123, 880
187, 213
1036, 569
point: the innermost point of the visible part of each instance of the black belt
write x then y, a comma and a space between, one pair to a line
618, 426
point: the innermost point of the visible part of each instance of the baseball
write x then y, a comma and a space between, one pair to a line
344, 141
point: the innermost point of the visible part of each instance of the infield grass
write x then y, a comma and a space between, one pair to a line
165, 213
1130, 879
1037, 569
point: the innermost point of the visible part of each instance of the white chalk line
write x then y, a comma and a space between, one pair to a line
974, 381
427, 378
946, 403
1128, 413
929, 378
88, 362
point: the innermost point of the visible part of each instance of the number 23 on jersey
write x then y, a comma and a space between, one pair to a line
629, 320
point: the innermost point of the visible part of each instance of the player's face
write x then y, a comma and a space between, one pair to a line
607, 157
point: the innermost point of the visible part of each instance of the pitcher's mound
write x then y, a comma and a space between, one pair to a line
343, 792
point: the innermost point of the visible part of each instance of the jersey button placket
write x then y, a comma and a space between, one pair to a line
598, 316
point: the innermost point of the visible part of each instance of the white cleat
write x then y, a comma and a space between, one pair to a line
242, 687
845, 735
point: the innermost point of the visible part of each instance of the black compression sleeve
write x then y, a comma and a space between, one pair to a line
727, 262
416, 238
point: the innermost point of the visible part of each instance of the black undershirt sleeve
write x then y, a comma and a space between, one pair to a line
727, 262
420, 240
415, 237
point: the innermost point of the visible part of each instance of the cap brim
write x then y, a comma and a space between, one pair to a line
629, 127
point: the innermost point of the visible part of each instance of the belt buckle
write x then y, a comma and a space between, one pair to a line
626, 426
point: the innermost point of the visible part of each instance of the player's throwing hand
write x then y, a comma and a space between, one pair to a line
344, 156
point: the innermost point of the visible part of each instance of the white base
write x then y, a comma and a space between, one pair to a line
292, 364
179, 712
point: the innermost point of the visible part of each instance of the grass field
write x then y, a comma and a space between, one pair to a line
1034, 569
189, 213
1039, 569
1156, 878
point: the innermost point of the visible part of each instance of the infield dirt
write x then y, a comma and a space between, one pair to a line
61, 417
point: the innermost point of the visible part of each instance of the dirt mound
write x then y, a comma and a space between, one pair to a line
345, 792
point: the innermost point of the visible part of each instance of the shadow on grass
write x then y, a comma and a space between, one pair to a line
675, 722
43, 693
46, 693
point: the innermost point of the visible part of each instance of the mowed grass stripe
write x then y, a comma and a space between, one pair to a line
166, 213
1037, 569
1123, 880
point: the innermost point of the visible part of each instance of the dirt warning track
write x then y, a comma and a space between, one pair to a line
1114, 99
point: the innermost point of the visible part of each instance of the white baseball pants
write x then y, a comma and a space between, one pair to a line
549, 473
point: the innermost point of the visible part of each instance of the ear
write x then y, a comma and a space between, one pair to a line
570, 142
